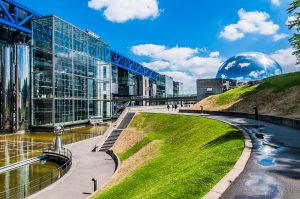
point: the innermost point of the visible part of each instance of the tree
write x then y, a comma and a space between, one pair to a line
294, 23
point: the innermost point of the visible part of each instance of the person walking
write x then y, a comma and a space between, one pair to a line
168, 107
176, 107
172, 107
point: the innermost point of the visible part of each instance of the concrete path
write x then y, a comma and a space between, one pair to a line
77, 184
273, 170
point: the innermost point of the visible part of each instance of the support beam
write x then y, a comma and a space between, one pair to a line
132, 66
25, 19
6, 12
11, 15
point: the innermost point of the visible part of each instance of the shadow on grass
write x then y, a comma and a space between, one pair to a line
229, 136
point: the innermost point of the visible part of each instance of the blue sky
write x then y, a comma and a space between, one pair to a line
185, 39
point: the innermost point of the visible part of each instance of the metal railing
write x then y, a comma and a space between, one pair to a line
33, 186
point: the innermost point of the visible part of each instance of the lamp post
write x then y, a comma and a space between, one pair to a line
58, 130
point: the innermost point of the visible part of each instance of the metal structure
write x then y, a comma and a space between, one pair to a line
132, 66
16, 16
192, 99
58, 130
28, 188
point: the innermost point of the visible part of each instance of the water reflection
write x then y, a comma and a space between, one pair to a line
18, 147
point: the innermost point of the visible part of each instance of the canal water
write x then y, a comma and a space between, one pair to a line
18, 147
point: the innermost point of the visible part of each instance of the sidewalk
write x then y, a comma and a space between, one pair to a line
77, 184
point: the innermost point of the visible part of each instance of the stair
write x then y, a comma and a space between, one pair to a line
113, 137
127, 119
111, 140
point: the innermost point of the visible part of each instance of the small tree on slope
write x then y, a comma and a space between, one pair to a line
294, 23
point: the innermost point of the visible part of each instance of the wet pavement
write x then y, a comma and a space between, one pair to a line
273, 170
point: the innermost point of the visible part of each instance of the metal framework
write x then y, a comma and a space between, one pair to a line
17, 16
132, 66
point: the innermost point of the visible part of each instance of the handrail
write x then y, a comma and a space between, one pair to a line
33, 186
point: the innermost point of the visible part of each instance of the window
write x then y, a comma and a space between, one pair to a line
104, 72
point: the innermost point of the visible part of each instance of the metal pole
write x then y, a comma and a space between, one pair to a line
256, 112
95, 184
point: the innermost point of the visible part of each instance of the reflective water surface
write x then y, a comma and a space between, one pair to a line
18, 147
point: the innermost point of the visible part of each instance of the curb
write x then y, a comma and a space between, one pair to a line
238, 168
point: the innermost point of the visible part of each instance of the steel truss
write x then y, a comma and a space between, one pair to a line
132, 66
17, 16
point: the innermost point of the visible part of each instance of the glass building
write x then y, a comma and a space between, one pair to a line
71, 74
164, 86
178, 89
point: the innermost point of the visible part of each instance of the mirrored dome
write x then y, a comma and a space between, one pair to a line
249, 67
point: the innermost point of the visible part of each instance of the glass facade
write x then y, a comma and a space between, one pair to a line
70, 74
178, 89
128, 83
164, 86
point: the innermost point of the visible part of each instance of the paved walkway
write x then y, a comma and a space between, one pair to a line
273, 170
77, 184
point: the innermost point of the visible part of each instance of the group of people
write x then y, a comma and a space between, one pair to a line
173, 107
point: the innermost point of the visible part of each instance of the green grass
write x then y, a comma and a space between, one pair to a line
281, 82
274, 84
233, 95
194, 154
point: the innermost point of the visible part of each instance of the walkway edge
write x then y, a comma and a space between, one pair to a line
230, 177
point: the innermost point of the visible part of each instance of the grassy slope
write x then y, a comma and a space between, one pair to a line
271, 96
195, 153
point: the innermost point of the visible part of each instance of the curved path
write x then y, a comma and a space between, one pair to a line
77, 184
273, 170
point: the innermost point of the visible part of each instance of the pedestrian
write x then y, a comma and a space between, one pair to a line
176, 107
168, 107
172, 107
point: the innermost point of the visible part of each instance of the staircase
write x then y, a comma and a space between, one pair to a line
114, 135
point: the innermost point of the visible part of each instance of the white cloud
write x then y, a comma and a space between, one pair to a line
256, 74
280, 36
161, 52
290, 19
230, 65
250, 22
189, 81
243, 65
214, 54
124, 10
286, 59
181, 61
232, 33
276, 2
156, 65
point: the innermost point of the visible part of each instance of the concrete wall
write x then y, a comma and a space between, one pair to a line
207, 87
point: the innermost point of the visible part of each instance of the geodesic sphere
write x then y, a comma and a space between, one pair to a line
249, 67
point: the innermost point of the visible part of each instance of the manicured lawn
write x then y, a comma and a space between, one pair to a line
194, 154
274, 84
281, 82
233, 95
